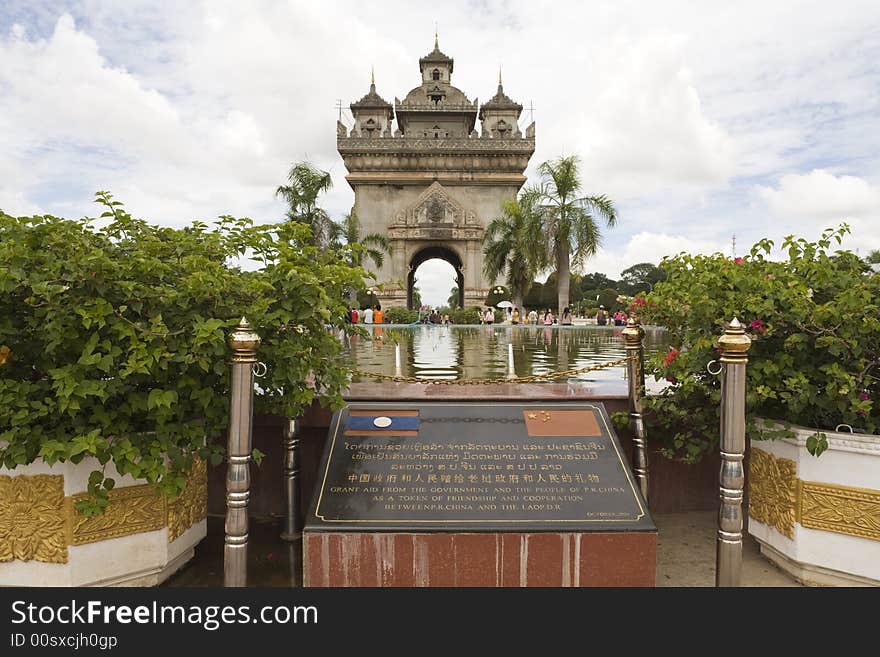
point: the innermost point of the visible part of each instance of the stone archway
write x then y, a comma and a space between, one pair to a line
430, 252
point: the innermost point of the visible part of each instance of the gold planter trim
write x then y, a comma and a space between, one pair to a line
32, 518
773, 491
779, 499
38, 523
840, 509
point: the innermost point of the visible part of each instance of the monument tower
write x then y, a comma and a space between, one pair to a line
433, 183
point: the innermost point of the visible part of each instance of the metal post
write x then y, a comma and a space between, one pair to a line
244, 342
398, 368
292, 494
511, 369
633, 337
734, 344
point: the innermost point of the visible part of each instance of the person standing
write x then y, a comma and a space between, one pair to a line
601, 316
514, 317
533, 317
489, 317
548, 318
566, 317
355, 316
378, 315
368, 315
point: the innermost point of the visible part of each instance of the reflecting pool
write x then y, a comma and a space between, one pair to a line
487, 352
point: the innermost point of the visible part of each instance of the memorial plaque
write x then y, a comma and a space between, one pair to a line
475, 467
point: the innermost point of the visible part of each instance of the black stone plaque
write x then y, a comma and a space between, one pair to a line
475, 467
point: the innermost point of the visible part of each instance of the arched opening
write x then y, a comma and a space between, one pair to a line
457, 278
435, 74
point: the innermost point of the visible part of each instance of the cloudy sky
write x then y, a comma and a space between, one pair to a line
701, 120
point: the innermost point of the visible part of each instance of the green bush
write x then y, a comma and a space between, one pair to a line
466, 316
113, 337
401, 316
814, 321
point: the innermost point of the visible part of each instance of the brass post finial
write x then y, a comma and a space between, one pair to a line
244, 342
633, 334
734, 343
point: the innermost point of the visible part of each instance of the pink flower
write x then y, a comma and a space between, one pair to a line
640, 301
671, 355
770, 277
738, 261
864, 396
758, 326
672, 380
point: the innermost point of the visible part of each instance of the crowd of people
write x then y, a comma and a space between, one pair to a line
513, 316
367, 315
510, 315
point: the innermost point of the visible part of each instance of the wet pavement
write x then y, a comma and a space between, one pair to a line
685, 556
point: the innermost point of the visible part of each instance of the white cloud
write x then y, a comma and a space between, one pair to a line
692, 117
809, 203
821, 194
650, 247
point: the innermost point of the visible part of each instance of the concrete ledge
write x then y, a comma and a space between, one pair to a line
810, 574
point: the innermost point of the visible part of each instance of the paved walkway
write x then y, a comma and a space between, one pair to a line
685, 556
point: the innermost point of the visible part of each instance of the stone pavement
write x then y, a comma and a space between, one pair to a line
685, 556
686, 553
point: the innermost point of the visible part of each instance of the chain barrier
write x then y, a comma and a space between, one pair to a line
506, 379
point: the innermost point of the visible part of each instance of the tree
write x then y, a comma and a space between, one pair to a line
640, 278
304, 184
373, 246
513, 246
873, 257
596, 281
452, 301
569, 219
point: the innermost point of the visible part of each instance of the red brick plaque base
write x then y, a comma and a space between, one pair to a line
508, 559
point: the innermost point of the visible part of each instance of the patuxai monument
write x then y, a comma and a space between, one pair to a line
434, 182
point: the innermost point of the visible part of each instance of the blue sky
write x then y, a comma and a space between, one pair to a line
700, 120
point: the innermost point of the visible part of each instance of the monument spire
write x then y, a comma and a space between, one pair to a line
436, 39
372, 75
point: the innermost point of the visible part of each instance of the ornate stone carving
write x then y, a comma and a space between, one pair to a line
192, 504
132, 509
355, 143
435, 209
32, 521
773, 491
840, 509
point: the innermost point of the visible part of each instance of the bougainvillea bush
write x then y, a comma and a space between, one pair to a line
113, 337
814, 321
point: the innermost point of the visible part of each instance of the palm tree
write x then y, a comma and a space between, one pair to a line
374, 246
452, 301
513, 245
569, 219
305, 183
873, 257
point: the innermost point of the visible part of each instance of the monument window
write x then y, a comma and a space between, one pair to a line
436, 74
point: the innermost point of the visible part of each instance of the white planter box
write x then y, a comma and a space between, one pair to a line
140, 540
818, 517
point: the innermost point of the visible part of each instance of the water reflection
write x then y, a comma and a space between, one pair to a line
476, 352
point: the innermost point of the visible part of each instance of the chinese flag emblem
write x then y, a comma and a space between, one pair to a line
554, 422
